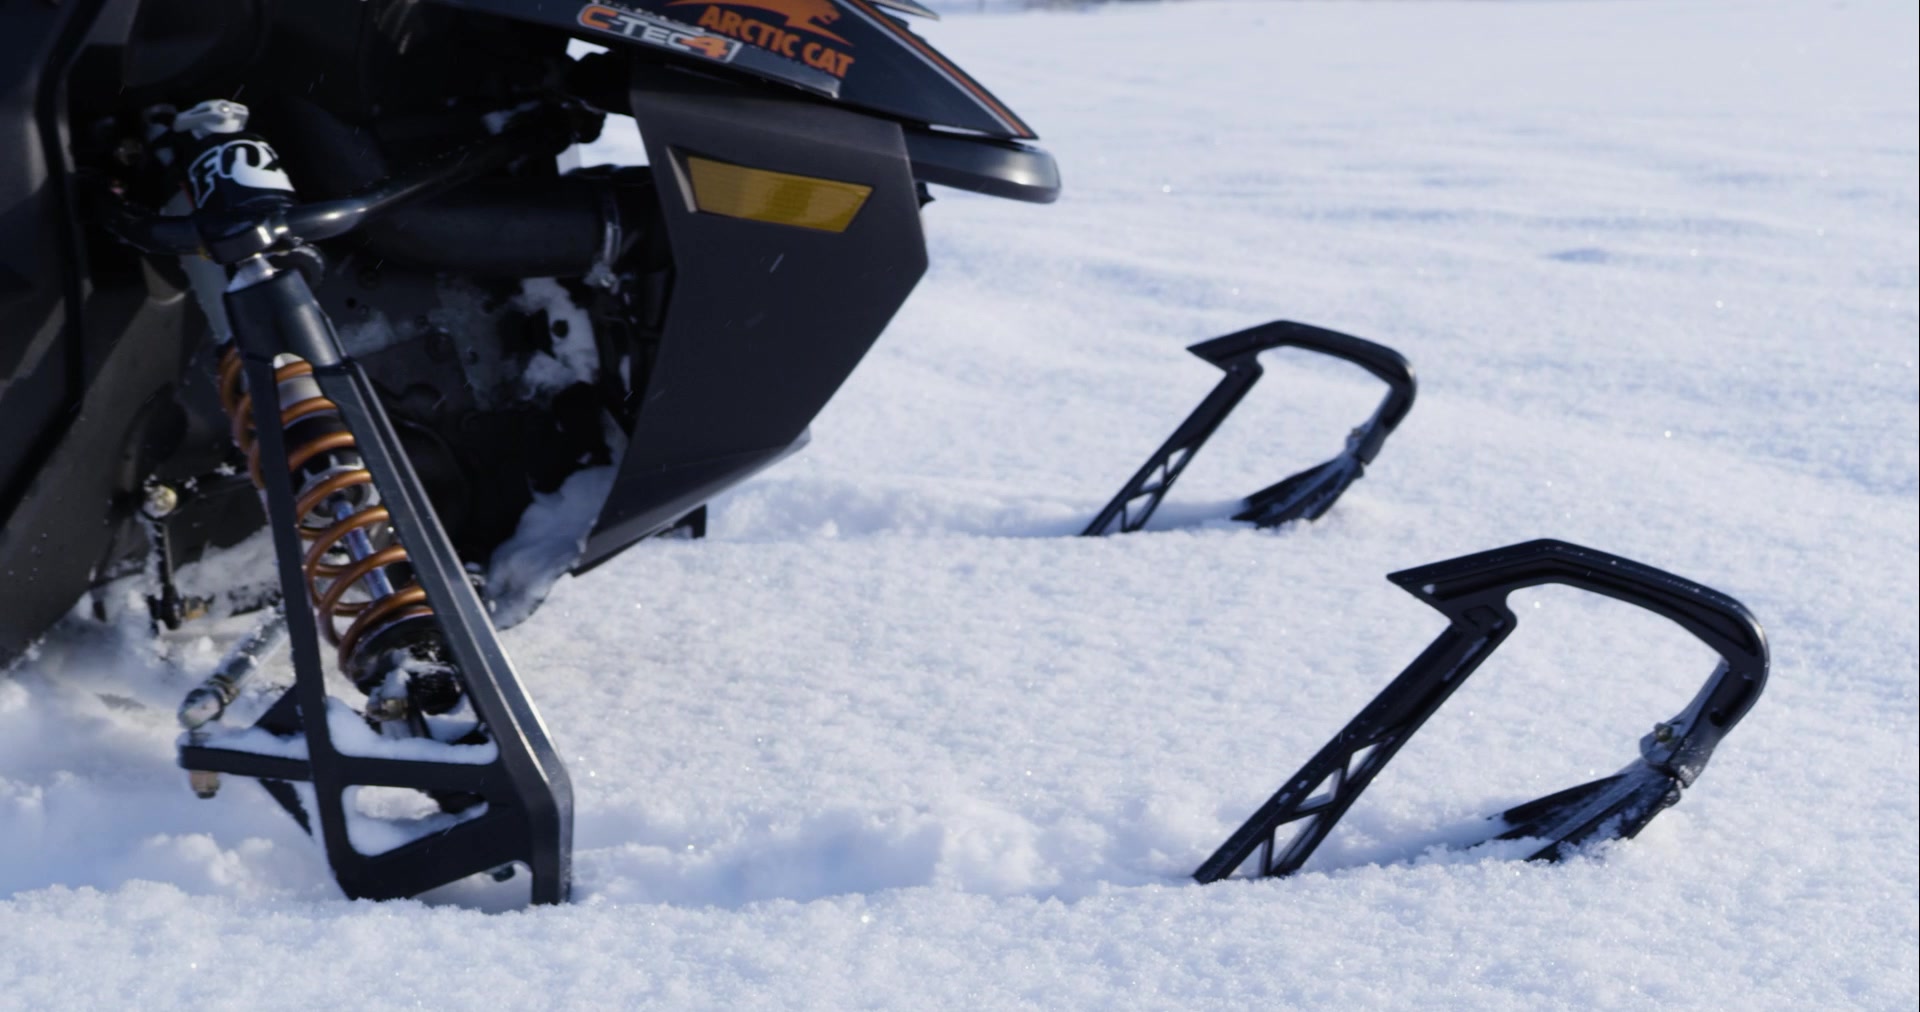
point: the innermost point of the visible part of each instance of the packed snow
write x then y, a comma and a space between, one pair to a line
890, 737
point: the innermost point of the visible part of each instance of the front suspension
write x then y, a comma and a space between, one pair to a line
356, 540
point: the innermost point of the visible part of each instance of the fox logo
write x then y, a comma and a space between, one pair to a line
244, 163
807, 15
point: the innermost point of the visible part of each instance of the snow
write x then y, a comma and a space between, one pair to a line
495, 374
573, 358
546, 544
889, 738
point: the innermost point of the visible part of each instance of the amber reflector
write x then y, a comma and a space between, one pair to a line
778, 198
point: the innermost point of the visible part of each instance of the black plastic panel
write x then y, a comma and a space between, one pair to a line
995, 168
764, 321
36, 344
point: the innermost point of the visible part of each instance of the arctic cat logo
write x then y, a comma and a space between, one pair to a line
760, 34
657, 31
807, 15
247, 163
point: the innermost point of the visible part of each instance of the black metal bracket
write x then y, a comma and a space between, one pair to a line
230, 236
525, 812
1472, 592
1303, 496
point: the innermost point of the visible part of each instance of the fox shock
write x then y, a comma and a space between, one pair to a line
355, 568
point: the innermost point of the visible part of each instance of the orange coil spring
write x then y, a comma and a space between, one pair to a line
408, 601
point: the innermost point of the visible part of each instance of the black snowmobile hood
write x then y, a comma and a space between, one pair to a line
847, 50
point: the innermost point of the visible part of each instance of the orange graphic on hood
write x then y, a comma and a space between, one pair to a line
806, 15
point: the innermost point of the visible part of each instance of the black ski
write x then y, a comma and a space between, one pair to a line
1472, 592
1303, 496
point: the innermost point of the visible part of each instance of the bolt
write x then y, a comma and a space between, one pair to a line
205, 783
202, 706
1663, 732
387, 708
161, 500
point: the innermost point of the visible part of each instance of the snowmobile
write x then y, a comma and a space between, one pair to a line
316, 275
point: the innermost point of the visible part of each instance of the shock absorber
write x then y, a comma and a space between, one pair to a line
355, 567
355, 536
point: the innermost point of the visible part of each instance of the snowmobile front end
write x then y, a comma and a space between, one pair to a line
784, 236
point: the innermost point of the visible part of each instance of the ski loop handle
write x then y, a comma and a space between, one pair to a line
1389, 366
1472, 592
1306, 495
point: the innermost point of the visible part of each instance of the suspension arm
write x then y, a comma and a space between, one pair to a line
521, 800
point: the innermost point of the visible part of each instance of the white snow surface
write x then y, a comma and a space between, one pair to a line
545, 545
890, 738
